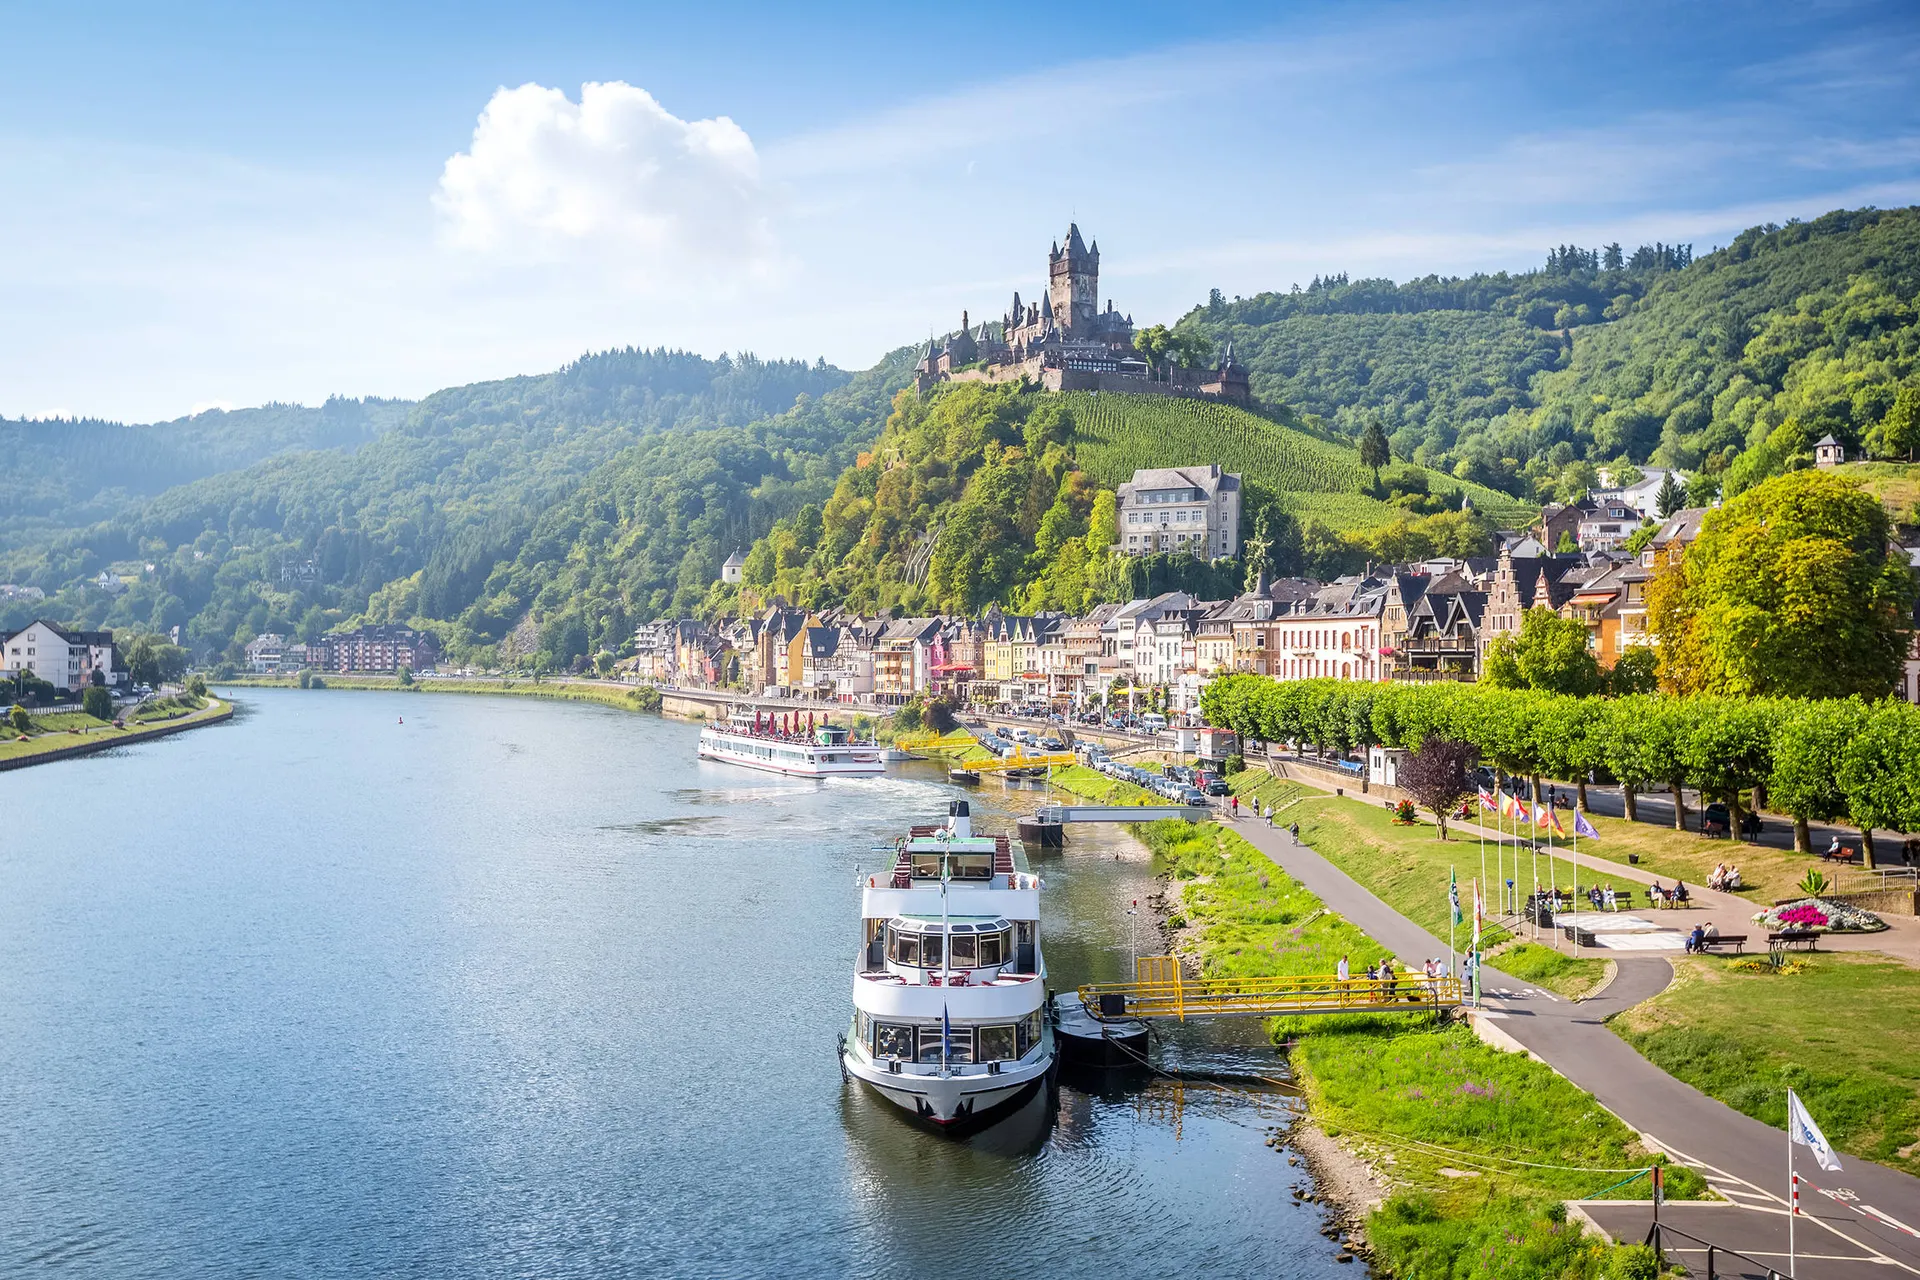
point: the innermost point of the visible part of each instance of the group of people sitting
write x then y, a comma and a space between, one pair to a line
1674, 897
1697, 940
1603, 897
1724, 878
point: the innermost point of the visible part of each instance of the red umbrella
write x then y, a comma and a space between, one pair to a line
809, 723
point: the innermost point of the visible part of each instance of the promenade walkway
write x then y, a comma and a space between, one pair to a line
1867, 1220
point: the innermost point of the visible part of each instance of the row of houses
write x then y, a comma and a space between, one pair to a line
375, 650
1430, 620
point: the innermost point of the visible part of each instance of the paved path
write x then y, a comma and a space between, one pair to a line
1741, 1157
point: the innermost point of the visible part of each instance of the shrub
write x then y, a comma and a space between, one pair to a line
1235, 763
939, 716
196, 686
1813, 884
97, 702
19, 718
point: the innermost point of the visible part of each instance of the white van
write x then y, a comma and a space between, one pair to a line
1153, 721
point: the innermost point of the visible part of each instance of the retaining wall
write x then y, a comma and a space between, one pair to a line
107, 744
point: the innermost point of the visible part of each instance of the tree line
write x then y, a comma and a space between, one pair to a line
1819, 760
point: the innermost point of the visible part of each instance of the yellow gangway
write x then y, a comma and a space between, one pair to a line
1018, 761
1160, 991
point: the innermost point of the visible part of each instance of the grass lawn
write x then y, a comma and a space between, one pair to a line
1843, 1031
1098, 787
1545, 967
58, 739
1406, 867
1452, 1120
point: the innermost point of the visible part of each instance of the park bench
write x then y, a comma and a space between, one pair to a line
1791, 937
1847, 854
1738, 941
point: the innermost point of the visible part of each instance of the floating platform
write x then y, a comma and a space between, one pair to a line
963, 777
1042, 835
1086, 1041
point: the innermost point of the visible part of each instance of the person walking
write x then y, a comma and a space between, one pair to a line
1295, 829
1340, 970
1269, 817
1233, 807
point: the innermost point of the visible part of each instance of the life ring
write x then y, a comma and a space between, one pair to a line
869, 882
1012, 880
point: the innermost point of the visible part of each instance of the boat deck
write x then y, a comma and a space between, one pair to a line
1005, 860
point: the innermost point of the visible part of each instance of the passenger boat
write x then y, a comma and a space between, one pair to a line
781, 743
950, 989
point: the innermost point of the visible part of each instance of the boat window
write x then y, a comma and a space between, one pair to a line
997, 1044
958, 1049
906, 948
991, 950
1028, 1033
926, 866
966, 952
892, 1040
930, 948
972, 866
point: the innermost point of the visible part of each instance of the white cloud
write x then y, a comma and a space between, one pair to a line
614, 179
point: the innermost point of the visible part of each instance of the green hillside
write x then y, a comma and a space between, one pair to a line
1727, 366
1313, 477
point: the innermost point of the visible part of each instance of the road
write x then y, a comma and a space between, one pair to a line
1868, 1217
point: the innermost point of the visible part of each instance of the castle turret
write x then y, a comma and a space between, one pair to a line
1073, 285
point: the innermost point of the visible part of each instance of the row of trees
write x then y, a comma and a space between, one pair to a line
1818, 760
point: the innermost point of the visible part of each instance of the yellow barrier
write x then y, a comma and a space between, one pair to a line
924, 741
1018, 761
1159, 991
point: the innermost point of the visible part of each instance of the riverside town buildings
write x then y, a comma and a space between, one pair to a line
64, 658
1065, 342
379, 650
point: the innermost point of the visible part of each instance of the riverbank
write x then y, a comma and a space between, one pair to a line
63, 737
626, 697
1475, 1149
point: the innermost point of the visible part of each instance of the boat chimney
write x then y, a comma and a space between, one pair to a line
959, 820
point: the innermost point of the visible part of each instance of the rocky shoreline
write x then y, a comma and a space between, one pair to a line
1337, 1176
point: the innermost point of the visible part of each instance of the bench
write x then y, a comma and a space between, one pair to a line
1846, 854
1738, 941
1789, 937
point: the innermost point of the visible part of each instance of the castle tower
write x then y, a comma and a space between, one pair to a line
1073, 285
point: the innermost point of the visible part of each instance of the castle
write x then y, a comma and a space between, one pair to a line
1065, 342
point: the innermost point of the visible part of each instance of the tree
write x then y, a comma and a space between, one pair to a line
1879, 772
97, 702
1807, 745
939, 715
1636, 670
1671, 496
19, 719
406, 678
1375, 453
196, 686
1789, 591
1899, 432
1549, 653
1436, 776
1566, 546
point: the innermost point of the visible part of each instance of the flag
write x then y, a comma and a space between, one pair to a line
1543, 816
1453, 892
1511, 808
1802, 1129
1582, 827
1486, 801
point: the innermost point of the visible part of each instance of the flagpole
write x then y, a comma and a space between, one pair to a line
1793, 1201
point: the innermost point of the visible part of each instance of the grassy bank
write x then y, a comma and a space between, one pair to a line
627, 698
1406, 867
1843, 1031
1453, 1123
1099, 788
57, 731
1545, 967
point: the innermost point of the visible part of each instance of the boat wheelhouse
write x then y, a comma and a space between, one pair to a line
783, 743
950, 987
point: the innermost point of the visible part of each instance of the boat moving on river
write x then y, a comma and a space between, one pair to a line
950, 988
779, 743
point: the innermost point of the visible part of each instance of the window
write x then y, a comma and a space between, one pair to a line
996, 1044
957, 1047
992, 950
891, 1040
966, 952
906, 948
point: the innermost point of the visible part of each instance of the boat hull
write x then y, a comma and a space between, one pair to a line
957, 1105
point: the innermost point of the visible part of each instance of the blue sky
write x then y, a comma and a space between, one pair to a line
233, 204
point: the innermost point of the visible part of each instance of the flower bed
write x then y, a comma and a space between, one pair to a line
1819, 915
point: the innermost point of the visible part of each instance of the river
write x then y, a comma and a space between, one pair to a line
379, 984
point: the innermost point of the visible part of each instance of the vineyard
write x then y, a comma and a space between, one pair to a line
1117, 435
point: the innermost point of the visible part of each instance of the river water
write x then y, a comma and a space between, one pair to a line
369, 984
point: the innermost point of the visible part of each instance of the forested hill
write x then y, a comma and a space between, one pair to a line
62, 473
304, 540
1652, 356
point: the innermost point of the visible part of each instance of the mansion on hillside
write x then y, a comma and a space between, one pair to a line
1065, 342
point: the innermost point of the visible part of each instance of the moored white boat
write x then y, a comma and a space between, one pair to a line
950, 988
781, 743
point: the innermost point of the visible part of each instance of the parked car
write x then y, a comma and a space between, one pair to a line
1192, 795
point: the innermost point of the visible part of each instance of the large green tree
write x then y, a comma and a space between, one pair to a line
1790, 590
1549, 653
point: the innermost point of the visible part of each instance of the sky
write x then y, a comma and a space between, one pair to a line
224, 205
